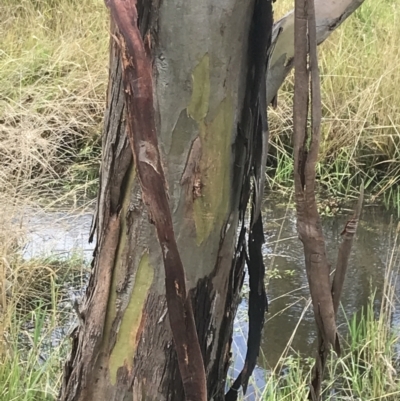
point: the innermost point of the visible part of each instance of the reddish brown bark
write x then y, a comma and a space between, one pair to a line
142, 132
305, 158
136, 358
325, 298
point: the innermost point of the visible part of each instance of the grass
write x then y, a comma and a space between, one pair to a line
361, 108
35, 325
368, 368
35, 346
53, 78
367, 371
28, 372
53, 63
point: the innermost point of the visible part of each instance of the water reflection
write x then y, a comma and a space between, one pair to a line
57, 234
290, 313
289, 292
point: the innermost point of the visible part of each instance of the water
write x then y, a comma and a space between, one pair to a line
366, 273
287, 286
57, 234
60, 234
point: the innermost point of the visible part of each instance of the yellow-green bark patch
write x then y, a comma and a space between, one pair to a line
198, 106
211, 207
125, 346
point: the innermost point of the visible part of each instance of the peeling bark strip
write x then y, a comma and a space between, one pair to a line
252, 149
338, 280
308, 219
348, 234
342, 262
305, 158
325, 298
79, 370
137, 77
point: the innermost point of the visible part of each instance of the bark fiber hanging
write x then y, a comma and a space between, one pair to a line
251, 158
325, 297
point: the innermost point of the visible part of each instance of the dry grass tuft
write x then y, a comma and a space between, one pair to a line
53, 63
53, 77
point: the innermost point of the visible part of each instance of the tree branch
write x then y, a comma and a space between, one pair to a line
329, 16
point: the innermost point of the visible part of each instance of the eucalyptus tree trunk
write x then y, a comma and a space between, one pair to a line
185, 125
205, 98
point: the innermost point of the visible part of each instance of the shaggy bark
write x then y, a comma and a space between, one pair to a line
142, 133
305, 157
195, 108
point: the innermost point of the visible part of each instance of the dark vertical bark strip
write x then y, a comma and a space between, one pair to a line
325, 298
337, 287
137, 77
316, 109
252, 143
342, 262
308, 219
235, 283
257, 297
258, 305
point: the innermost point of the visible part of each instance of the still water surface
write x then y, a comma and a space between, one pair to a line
287, 285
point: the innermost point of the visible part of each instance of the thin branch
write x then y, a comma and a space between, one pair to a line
342, 262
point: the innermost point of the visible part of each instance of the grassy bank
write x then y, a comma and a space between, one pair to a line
37, 318
37, 344
53, 64
53, 76
367, 370
361, 107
